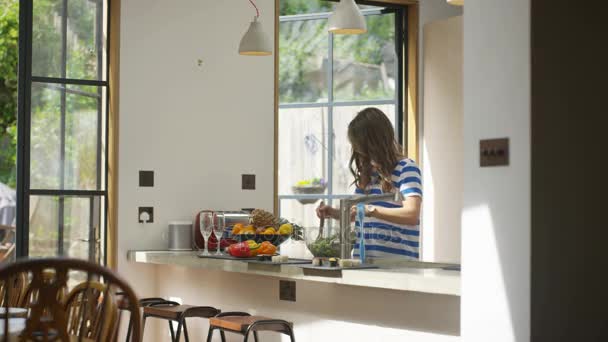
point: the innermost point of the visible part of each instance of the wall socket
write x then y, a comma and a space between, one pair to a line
287, 290
494, 152
149, 210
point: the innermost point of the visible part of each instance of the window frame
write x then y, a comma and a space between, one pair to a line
26, 80
405, 19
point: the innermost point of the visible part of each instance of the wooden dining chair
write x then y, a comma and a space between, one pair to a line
88, 313
12, 290
7, 243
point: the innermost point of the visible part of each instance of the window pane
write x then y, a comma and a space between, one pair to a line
365, 66
302, 147
292, 7
83, 104
45, 145
81, 221
86, 29
9, 38
342, 177
296, 212
303, 49
47, 38
83, 39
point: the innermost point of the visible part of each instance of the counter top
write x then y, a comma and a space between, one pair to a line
402, 276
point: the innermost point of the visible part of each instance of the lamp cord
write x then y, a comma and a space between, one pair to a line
257, 10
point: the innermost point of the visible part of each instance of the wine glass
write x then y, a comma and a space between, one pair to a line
206, 226
218, 229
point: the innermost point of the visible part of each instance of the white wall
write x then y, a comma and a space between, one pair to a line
440, 227
442, 146
430, 10
496, 217
199, 129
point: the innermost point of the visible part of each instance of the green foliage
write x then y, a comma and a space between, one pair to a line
291, 7
303, 51
9, 58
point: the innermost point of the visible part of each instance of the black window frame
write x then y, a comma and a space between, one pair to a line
401, 40
26, 79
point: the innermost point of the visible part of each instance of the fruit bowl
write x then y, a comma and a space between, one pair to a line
275, 239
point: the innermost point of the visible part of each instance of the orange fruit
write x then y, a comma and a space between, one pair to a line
237, 228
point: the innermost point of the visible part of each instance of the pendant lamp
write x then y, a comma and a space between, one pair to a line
456, 2
347, 19
255, 42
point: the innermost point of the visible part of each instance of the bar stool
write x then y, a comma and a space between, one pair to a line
243, 323
123, 304
175, 312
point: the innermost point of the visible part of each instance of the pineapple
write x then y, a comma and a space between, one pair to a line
262, 219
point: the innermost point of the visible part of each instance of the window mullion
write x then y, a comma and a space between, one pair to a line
98, 41
330, 124
61, 206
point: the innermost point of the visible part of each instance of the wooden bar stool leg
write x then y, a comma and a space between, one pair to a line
143, 327
172, 331
291, 335
179, 330
186, 331
129, 328
210, 334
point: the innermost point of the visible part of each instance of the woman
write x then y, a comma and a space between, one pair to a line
378, 166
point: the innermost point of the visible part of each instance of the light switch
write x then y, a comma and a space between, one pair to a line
248, 182
146, 178
494, 152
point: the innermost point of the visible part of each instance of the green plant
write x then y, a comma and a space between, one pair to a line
313, 182
9, 58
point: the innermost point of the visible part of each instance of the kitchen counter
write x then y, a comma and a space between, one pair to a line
392, 275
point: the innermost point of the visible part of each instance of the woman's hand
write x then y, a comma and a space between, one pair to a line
326, 211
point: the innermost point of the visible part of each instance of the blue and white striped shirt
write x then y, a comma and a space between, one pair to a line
386, 239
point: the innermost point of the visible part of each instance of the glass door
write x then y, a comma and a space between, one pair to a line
9, 33
64, 108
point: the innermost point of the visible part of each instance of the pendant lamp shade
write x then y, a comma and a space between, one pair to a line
255, 42
456, 2
347, 19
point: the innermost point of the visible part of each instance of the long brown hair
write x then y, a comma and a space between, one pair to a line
372, 138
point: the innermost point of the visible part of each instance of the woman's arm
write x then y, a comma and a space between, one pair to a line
326, 211
408, 215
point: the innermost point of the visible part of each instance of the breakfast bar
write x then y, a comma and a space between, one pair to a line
422, 277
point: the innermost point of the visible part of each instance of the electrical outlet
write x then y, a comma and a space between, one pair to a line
149, 210
248, 182
494, 152
287, 290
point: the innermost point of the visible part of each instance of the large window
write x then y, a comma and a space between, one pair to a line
324, 80
63, 128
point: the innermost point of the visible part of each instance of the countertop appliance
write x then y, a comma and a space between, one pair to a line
180, 236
